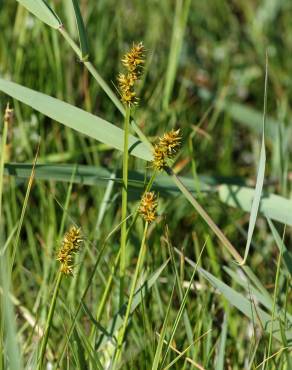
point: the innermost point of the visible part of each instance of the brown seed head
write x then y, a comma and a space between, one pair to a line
148, 207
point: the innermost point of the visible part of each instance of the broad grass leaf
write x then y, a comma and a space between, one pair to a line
75, 118
42, 10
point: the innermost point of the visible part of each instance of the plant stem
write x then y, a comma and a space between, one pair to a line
2, 161
49, 322
132, 291
124, 204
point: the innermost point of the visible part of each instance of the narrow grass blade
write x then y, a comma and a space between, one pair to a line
181, 308
222, 345
117, 321
272, 206
246, 306
286, 254
158, 352
81, 31
42, 10
260, 177
8, 319
78, 119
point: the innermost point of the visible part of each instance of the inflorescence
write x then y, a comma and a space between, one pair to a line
133, 61
148, 207
167, 147
70, 246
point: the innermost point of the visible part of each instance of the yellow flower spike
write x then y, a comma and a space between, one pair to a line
70, 245
167, 147
134, 60
170, 143
159, 158
148, 207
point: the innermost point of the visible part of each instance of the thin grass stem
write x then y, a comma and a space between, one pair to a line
132, 291
49, 321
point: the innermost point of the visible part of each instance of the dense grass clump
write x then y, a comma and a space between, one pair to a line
145, 211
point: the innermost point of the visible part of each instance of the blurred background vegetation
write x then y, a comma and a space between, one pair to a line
208, 80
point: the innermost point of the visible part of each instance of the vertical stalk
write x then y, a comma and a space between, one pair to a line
2, 161
124, 203
49, 321
130, 301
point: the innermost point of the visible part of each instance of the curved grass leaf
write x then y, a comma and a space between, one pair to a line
247, 307
271, 205
81, 31
76, 118
43, 11
260, 177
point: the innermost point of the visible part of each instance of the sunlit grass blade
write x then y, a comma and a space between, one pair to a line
42, 10
78, 119
272, 206
260, 176
81, 31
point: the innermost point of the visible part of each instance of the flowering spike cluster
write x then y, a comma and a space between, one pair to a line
167, 147
70, 246
148, 207
133, 61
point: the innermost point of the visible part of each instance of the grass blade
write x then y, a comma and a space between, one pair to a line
260, 177
78, 119
117, 321
222, 344
81, 31
43, 11
286, 254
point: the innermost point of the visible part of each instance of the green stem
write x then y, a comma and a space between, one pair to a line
124, 204
104, 298
49, 321
130, 301
2, 161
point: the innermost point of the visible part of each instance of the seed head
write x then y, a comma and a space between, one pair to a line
70, 245
148, 207
159, 158
126, 85
170, 143
167, 147
133, 61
